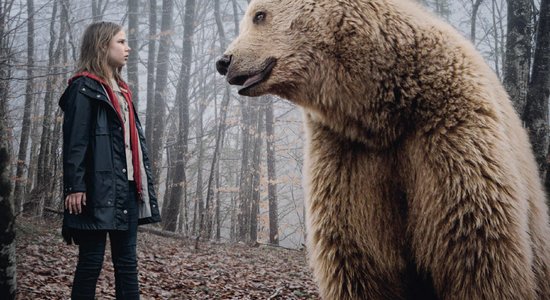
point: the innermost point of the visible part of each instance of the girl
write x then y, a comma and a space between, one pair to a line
107, 179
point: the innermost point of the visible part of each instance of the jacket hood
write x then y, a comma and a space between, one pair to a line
63, 99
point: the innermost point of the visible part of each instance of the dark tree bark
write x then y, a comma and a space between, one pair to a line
475, 8
133, 58
8, 282
151, 72
536, 108
7, 220
518, 51
271, 174
20, 178
179, 186
160, 88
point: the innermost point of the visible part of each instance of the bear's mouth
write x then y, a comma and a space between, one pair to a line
250, 79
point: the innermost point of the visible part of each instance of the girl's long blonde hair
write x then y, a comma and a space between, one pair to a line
94, 50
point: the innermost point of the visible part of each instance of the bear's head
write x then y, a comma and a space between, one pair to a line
284, 47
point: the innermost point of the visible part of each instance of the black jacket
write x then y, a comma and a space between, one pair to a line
94, 160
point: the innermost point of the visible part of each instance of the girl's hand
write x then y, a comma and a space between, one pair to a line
74, 202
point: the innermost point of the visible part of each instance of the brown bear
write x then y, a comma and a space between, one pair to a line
420, 180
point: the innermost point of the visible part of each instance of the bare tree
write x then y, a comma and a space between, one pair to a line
518, 51
43, 172
26, 126
179, 186
161, 87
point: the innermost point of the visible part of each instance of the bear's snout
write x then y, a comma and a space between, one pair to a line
222, 64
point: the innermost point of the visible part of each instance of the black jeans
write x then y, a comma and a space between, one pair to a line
123, 249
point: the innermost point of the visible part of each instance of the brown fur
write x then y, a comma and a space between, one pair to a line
420, 180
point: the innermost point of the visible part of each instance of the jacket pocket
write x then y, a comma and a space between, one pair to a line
102, 146
103, 152
102, 191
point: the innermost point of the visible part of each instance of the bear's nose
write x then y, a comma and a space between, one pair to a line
223, 64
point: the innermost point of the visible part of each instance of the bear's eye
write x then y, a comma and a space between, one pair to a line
259, 17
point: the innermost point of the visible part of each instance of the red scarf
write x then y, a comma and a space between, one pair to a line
134, 141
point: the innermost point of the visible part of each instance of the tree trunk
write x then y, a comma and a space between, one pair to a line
198, 193
8, 282
518, 52
98, 9
133, 58
271, 174
160, 88
151, 72
536, 108
475, 8
218, 199
256, 172
35, 141
495, 38
243, 215
442, 8
179, 187
212, 176
171, 154
171, 157
20, 179
53, 198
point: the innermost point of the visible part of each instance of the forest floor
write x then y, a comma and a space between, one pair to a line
169, 268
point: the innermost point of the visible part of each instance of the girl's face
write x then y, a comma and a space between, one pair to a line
118, 50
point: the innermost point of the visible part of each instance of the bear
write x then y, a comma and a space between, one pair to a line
420, 182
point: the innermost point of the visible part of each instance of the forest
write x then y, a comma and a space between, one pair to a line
227, 167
